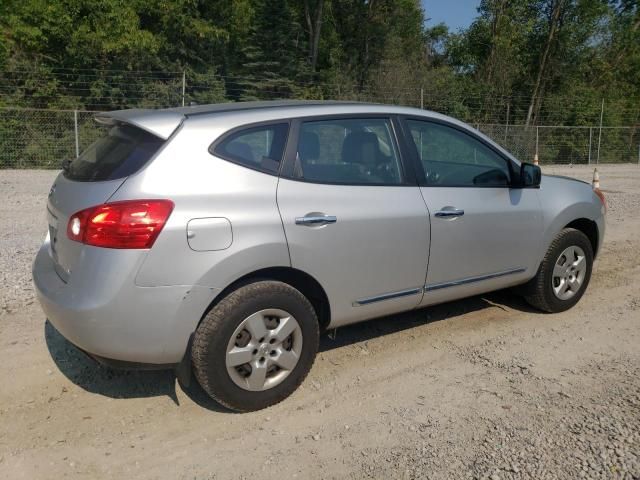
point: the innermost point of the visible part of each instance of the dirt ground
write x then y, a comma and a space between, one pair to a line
480, 388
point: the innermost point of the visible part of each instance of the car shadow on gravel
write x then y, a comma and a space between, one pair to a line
113, 383
382, 326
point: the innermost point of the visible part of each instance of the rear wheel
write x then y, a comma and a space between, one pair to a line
256, 346
564, 273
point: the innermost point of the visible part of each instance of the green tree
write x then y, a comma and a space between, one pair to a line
274, 53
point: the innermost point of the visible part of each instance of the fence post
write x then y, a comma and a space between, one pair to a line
590, 138
422, 98
537, 132
75, 128
506, 127
184, 84
600, 132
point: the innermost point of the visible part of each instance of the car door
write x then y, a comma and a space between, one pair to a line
353, 218
485, 233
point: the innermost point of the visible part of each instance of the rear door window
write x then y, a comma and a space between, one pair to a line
260, 148
120, 153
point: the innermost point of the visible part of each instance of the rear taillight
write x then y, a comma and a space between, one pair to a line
128, 224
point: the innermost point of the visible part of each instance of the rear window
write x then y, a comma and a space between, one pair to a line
120, 153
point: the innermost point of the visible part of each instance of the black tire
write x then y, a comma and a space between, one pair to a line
214, 332
538, 292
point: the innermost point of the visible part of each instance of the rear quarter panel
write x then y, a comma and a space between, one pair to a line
204, 186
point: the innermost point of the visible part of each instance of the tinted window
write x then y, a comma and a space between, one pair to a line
120, 153
450, 157
349, 151
260, 148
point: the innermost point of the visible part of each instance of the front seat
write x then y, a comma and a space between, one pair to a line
363, 149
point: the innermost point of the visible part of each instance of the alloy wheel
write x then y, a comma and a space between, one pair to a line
264, 349
569, 272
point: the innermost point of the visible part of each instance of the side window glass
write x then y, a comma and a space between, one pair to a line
348, 151
453, 158
260, 148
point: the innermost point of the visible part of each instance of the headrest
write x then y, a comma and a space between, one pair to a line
361, 147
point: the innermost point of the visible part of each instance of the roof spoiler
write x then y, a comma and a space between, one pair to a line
161, 123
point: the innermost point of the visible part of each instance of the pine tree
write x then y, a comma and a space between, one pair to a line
273, 57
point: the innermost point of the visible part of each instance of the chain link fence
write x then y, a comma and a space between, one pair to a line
566, 145
44, 138
34, 138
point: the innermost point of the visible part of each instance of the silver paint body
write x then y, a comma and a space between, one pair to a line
387, 252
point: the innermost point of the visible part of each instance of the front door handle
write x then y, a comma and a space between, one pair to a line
316, 220
448, 212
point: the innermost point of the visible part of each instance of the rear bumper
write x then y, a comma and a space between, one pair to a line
124, 365
104, 313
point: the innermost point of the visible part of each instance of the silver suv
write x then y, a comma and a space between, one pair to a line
225, 238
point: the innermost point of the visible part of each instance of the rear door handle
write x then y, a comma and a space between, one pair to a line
316, 220
447, 212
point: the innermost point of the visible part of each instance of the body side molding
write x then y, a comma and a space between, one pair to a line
436, 286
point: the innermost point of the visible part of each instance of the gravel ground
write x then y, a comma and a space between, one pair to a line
23, 197
483, 388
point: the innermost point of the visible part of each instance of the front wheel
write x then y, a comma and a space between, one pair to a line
256, 346
564, 273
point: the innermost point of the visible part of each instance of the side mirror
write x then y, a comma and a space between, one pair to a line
530, 175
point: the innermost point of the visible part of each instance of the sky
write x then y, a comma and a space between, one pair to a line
455, 14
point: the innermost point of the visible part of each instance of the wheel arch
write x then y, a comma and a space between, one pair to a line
589, 228
298, 279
